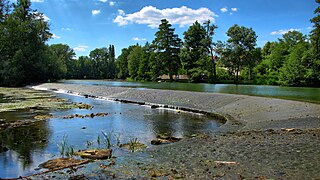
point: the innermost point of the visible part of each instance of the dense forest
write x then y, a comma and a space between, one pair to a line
25, 56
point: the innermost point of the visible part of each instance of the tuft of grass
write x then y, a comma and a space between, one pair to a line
107, 139
64, 148
133, 144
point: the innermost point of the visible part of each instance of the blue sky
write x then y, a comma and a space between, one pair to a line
88, 24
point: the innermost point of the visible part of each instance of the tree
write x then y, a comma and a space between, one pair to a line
315, 42
194, 47
295, 71
237, 52
62, 60
122, 63
22, 45
209, 44
167, 47
134, 61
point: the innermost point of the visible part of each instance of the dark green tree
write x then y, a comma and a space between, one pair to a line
194, 47
237, 53
62, 61
134, 59
315, 42
167, 46
122, 63
210, 46
22, 45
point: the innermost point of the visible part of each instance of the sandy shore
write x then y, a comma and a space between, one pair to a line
263, 138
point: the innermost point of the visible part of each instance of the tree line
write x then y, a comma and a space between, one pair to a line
293, 60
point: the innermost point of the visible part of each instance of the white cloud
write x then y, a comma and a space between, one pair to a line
309, 27
95, 12
224, 10
283, 31
66, 29
104, 1
81, 48
234, 9
121, 12
152, 16
54, 36
46, 18
41, 15
139, 39
37, 1
112, 3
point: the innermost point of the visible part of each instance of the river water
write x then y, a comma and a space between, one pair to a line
292, 93
34, 144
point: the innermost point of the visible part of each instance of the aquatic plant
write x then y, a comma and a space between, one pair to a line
107, 139
63, 145
98, 140
65, 149
89, 143
133, 144
117, 137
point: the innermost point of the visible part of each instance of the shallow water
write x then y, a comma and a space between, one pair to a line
34, 144
293, 93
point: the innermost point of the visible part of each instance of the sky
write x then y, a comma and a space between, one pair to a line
88, 24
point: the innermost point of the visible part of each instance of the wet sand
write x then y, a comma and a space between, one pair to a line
262, 138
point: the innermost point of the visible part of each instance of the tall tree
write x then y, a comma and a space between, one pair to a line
134, 61
62, 60
209, 43
167, 47
23, 46
194, 47
238, 51
315, 41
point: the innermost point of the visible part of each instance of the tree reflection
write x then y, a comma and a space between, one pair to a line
24, 140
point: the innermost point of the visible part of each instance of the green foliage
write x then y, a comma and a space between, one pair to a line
239, 51
22, 55
194, 46
167, 46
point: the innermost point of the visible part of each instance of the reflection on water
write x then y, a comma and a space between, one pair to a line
294, 93
33, 144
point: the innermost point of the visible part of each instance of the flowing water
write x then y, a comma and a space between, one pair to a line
292, 93
33, 144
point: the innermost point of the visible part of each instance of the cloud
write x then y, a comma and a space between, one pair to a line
234, 9
46, 18
283, 31
309, 27
112, 3
54, 36
37, 1
223, 10
121, 12
139, 39
66, 29
41, 15
95, 12
103, 1
81, 48
152, 16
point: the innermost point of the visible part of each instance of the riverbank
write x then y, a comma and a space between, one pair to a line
263, 138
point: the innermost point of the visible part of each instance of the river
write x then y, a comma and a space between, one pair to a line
291, 93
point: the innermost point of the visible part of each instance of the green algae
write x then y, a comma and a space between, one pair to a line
13, 99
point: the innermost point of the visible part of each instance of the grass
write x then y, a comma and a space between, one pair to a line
107, 139
65, 149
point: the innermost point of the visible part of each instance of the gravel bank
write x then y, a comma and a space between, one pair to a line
264, 138
252, 112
